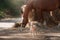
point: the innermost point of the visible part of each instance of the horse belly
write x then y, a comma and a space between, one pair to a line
46, 4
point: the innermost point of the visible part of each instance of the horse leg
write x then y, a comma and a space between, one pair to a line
38, 16
56, 15
50, 21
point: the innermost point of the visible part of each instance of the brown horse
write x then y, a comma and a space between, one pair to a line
39, 7
31, 13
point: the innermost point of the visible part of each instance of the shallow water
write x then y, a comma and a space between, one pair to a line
6, 24
9, 22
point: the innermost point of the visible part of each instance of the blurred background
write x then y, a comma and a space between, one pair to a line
10, 11
10, 8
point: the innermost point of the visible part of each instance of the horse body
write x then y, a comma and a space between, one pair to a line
39, 6
47, 5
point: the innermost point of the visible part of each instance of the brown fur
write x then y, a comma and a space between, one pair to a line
39, 7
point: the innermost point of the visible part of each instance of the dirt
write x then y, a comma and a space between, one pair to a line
17, 34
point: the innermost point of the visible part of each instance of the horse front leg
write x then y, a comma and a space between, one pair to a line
25, 15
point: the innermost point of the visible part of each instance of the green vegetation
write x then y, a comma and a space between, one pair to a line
2, 14
10, 7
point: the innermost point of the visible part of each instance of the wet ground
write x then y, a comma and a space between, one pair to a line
17, 34
10, 33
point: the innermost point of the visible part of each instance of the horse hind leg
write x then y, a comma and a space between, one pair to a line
50, 21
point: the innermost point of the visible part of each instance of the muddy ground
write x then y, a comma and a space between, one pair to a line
17, 34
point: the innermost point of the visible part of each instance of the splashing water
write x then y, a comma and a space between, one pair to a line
33, 28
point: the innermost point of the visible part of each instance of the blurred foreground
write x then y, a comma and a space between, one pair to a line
16, 34
8, 32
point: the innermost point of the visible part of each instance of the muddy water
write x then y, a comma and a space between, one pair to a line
8, 33
15, 34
